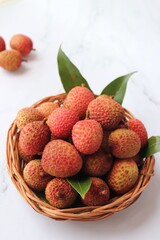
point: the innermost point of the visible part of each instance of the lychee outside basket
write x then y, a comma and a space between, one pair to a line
92, 213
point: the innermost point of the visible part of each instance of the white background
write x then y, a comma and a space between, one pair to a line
105, 39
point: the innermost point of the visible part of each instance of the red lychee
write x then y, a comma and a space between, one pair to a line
98, 193
2, 44
33, 137
138, 127
61, 159
61, 122
78, 99
87, 136
21, 43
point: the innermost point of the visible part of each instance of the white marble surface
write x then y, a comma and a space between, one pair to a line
105, 39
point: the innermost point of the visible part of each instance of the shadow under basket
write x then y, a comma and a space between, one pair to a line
89, 213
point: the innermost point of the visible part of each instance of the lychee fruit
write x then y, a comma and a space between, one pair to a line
60, 193
35, 176
87, 136
138, 127
98, 193
106, 111
78, 99
25, 157
10, 59
27, 115
61, 122
61, 159
122, 176
21, 43
47, 108
2, 44
97, 164
124, 143
33, 137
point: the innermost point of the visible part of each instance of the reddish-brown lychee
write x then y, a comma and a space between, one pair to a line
61, 122
122, 176
124, 143
106, 111
60, 193
97, 164
27, 115
47, 108
61, 159
138, 127
2, 44
10, 59
87, 136
35, 176
78, 99
25, 157
21, 43
98, 193
33, 137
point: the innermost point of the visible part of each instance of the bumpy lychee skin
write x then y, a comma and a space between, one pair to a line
47, 108
87, 136
27, 115
61, 159
138, 127
78, 99
60, 193
98, 193
106, 111
35, 176
97, 164
21, 43
25, 157
61, 122
122, 176
124, 143
10, 60
33, 137
2, 44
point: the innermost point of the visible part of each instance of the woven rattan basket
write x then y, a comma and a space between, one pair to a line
15, 167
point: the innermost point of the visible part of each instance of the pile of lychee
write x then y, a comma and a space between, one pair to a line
84, 135
21, 45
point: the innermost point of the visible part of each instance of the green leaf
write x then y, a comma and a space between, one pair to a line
80, 184
69, 73
117, 87
152, 146
42, 196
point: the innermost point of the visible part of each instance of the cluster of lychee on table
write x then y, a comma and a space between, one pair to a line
11, 59
85, 135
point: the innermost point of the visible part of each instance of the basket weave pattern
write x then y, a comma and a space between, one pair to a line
89, 213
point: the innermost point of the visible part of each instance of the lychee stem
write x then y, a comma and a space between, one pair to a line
33, 49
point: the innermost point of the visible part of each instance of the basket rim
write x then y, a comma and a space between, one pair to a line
84, 213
